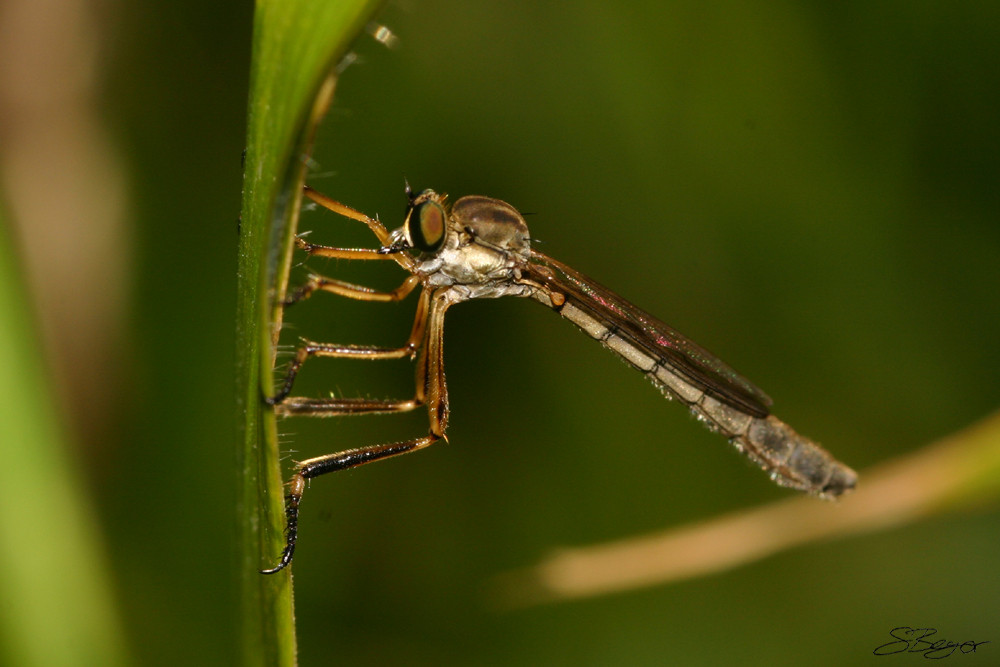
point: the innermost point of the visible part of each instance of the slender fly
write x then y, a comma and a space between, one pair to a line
479, 248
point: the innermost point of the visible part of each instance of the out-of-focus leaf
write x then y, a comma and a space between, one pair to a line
56, 606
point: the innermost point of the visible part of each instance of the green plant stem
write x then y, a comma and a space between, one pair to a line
296, 45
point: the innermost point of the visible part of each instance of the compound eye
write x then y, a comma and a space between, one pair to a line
425, 226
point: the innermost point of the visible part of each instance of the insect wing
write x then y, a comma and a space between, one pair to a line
640, 329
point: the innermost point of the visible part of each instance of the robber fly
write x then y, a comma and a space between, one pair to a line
479, 248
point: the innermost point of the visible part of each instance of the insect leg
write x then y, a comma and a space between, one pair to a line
317, 250
343, 209
311, 349
350, 290
331, 463
430, 386
376, 227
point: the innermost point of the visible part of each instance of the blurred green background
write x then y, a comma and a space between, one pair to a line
810, 190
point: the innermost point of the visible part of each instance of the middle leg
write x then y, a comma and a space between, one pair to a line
431, 389
310, 349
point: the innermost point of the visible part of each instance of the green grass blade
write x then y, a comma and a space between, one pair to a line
295, 46
55, 586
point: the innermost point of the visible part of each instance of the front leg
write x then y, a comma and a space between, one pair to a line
350, 290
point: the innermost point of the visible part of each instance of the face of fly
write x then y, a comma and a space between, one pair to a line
479, 240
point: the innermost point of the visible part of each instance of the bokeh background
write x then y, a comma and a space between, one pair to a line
808, 189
